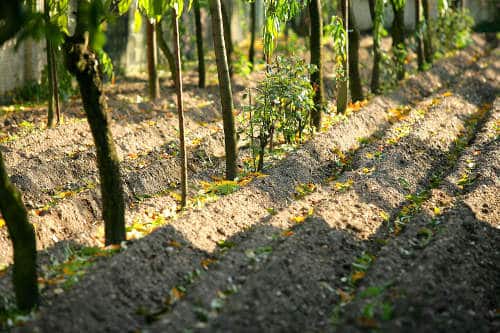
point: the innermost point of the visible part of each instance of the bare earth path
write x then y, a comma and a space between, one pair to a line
398, 230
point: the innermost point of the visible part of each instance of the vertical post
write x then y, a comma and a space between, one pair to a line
152, 54
226, 95
180, 108
342, 86
316, 59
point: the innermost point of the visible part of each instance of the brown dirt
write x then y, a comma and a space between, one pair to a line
276, 274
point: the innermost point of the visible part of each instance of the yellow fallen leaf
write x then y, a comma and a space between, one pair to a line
68, 271
174, 243
176, 294
297, 219
345, 297
2, 223
356, 276
447, 94
384, 216
133, 156
367, 170
207, 262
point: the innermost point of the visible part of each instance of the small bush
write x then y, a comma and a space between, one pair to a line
281, 108
452, 30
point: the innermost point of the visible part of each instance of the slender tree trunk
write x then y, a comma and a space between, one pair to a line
199, 44
226, 95
83, 63
317, 60
377, 52
56, 86
418, 35
162, 44
50, 83
398, 38
371, 6
21, 232
23, 239
253, 19
226, 22
180, 108
152, 54
428, 49
50, 70
342, 84
354, 76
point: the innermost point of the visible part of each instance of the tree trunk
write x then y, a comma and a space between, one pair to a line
418, 35
199, 44
342, 84
50, 83
83, 63
354, 76
428, 50
23, 239
226, 96
253, 19
180, 108
53, 102
152, 55
377, 52
166, 51
316, 59
371, 6
56, 86
21, 232
226, 22
398, 38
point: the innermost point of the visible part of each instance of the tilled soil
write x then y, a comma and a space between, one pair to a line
351, 255
49, 164
272, 258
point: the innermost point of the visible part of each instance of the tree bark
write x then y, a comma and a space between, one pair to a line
354, 76
418, 35
428, 49
398, 38
21, 232
83, 64
316, 59
225, 89
253, 19
152, 58
180, 108
56, 86
226, 22
162, 44
50, 83
377, 52
53, 102
23, 239
342, 85
199, 44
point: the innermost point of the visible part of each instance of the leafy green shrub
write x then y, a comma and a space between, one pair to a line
452, 30
281, 108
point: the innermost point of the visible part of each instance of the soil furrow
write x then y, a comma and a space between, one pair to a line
441, 273
143, 276
71, 219
294, 277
